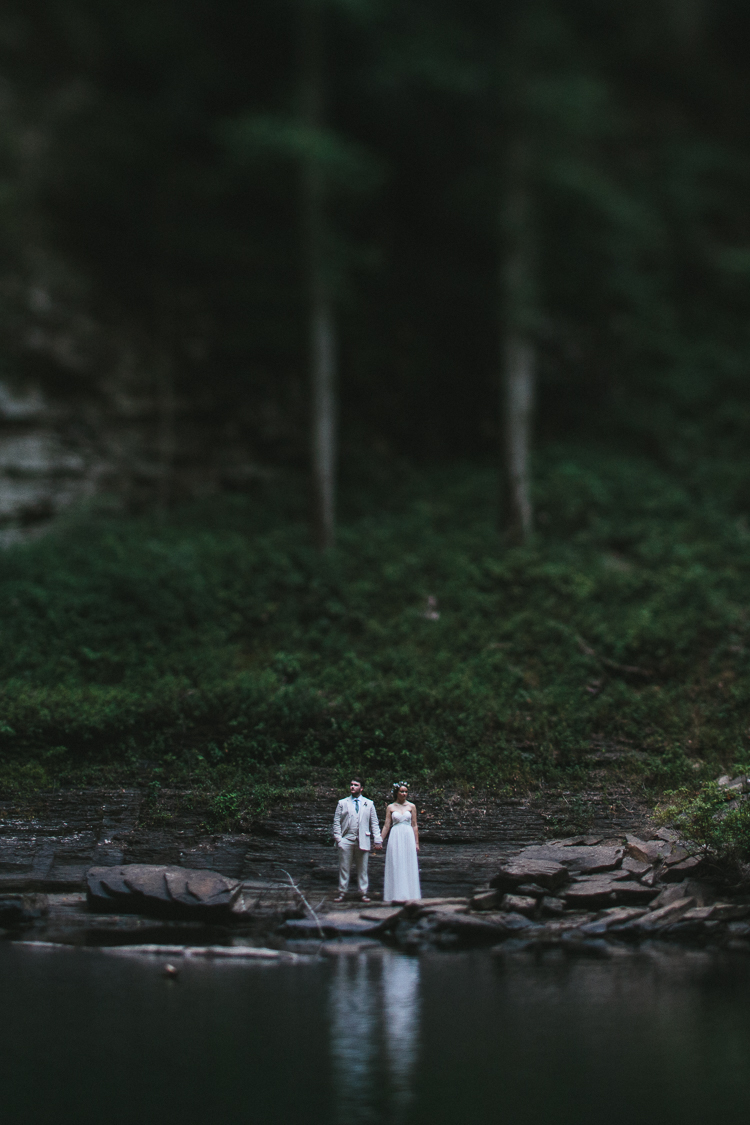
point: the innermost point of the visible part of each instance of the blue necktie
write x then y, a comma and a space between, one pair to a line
356, 803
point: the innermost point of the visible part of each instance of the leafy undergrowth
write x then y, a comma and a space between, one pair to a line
217, 650
712, 817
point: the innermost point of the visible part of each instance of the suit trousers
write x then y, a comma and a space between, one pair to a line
348, 851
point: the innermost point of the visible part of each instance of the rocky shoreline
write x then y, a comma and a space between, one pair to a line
579, 896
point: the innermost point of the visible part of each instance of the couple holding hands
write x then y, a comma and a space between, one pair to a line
356, 830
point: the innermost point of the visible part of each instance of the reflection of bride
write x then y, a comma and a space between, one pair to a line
402, 834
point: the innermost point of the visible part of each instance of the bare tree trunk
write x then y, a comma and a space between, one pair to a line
518, 346
322, 330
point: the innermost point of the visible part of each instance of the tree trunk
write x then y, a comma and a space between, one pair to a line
518, 346
322, 330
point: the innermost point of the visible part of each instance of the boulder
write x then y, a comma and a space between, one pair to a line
156, 889
544, 872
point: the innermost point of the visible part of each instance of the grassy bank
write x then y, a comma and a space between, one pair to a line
216, 649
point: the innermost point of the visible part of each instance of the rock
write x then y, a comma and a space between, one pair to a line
584, 860
738, 929
552, 907
667, 834
676, 855
520, 904
735, 784
730, 911
672, 912
532, 889
691, 866
155, 889
615, 916
670, 894
636, 868
698, 914
546, 873
485, 900
602, 891
647, 851
332, 925
22, 910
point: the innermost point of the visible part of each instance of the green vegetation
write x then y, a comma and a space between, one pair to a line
711, 817
218, 650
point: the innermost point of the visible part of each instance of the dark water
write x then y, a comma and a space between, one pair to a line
86, 1036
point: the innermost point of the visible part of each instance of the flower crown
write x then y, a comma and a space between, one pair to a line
399, 784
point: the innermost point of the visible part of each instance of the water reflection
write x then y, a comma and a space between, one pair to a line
374, 1012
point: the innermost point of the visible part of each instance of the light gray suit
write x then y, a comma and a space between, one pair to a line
359, 849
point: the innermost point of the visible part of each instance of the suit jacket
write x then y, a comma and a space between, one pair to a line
369, 829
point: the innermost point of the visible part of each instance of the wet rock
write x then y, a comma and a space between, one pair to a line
162, 890
544, 872
520, 904
602, 891
331, 925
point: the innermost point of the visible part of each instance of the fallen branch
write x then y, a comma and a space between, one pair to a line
297, 891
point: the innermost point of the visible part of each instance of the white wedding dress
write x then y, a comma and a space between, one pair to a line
401, 866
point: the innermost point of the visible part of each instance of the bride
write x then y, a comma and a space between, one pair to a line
401, 865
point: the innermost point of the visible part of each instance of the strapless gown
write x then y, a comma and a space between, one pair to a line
401, 865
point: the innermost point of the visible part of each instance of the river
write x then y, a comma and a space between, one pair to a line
90, 1036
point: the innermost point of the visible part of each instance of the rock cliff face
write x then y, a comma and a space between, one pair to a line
41, 473
112, 439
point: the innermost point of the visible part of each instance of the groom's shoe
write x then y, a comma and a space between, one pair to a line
365, 898
339, 898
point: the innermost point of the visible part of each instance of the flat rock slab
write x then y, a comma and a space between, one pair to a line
545, 872
332, 925
162, 890
582, 859
607, 892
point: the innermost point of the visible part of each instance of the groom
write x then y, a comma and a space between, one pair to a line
355, 827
